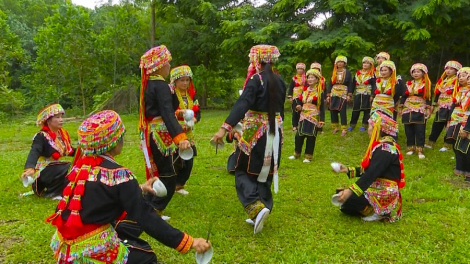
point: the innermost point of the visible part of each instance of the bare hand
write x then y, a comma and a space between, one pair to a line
218, 137
328, 100
291, 100
194, 120
463, 134
147, 187
28, 172
349, 99
371, 99
428, 113
184, 144
343, 168
432, 109
320, 124
200, 245
298, 108
344, 195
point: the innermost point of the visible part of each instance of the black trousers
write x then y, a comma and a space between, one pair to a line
365, 117
309, 146
249, 190
462, 161
343, 115
140, 252
52, 180
436, 131
141, 257
184, 172
415, 134
354, 205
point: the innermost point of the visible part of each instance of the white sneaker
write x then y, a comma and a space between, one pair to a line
249, 221
57, 198
306, 161
292, 157
427, 146
372, 218
260, 218
183, 192
165, 217
409, 153
421, 156
443, 149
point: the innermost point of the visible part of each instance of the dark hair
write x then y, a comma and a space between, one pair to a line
273, 97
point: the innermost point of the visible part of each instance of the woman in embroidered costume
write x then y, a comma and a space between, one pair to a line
339, 92
416, 109
181, 78
259, 148
50, 144
388, 90
316, 65
462, 150
312, 115
295, 89
364, 81
103, 212
161, 134
460, 114
443, 101
376, 194
379, 58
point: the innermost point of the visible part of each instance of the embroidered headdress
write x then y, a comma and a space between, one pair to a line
341, 58
314, 72
383, 54
453, 64
315, 65
180, 71
393, 76
154, 59
300, 65
465, 70
369, 60
48, 112
427, 82
100, 133
263, 54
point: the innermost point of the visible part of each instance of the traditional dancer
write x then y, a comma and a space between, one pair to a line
50, 144
460, 114
379, 58
259, 150
162, 136
364, 84
181, 78
312, 115
295, 89
102, 212
376, 194
388, 90
316, 65
443, 102
339, 92
416, 109
462, 151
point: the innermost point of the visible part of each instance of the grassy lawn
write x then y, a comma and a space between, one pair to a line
304, 226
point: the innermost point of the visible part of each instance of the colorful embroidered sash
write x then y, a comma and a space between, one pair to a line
162, 137
339, 90
385, 198
100, 246
414, 104
310, 113
384, 103
363, 89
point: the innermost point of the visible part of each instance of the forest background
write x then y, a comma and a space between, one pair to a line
55, 51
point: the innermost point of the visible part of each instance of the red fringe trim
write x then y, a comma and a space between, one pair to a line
75, 204
74, 220
79, 189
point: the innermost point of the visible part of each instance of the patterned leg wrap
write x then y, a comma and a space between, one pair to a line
368, 210
253, 209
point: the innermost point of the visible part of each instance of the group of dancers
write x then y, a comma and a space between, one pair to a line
102, 210
373, 89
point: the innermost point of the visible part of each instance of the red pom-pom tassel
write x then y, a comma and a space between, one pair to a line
79, 190
314, 98
61, 205
401, 165
305, 88
56, 155
449, 92
357, 83
408, 82
407, 92
68, 190
195, 108
377, 91
301, 97
366, 82
389, 92
420, 90
74, 220
75, 204
358, 72
378, 80
437, 92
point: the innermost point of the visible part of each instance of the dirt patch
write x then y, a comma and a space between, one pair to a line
6, 243
459, 183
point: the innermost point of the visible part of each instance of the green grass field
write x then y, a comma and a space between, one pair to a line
304, 226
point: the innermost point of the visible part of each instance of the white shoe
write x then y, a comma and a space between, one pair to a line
306, 161
249, 221
57, 198
409, 153
372, 218
443, 149
421, 156
427, 146
260, 218
183, 192
292, 157
165, 217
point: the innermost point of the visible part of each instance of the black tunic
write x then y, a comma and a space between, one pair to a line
255, 97
307, 128
337, 103
104, 203
51, 180
414, 117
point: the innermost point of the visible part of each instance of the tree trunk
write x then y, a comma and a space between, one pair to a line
152, 33
83, 93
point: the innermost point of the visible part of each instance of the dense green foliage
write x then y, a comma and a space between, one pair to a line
304, 226
53, 51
